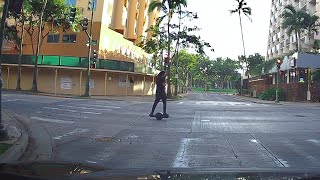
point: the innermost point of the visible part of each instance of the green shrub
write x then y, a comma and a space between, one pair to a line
316, 76
270, 94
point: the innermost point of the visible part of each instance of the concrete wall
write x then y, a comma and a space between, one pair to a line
50, 80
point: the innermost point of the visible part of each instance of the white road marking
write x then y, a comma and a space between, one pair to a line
222, 103
10, 100
254, 140
76, 131
68, 110
77, 107
283, 163
91, 113
205, 120
313, 141
95, 105
52, 108
92, 162
51, 120
181, 161
180, 102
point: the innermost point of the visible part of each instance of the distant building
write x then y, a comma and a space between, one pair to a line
122, 68
279, 43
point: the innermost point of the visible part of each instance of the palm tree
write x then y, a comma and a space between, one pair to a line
168, 7
293, 22
242, 9
310, 25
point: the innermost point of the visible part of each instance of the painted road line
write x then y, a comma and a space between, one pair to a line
181, 161
91, 113
95, 105
52, 108
205, 120
180, 102
71, 116
313, 141
11, 100
51, 120
92, 162
74, 132
77, 107
254, 140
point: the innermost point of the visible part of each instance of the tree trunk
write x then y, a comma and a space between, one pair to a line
20, 56
244, 48
298, 41
177, 51
169, 60
34, 82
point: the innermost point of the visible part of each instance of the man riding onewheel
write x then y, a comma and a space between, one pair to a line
160, 94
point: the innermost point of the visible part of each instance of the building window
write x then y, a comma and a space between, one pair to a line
69, 38
71, 2
53, 38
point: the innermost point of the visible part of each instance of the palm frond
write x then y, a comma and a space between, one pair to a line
291, 9
155, 5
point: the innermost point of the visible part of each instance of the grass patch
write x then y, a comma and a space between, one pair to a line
4, 147
228, 91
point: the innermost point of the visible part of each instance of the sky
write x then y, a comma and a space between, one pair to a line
222, 30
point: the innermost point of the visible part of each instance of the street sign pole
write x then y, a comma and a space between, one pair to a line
3, 131
87, 88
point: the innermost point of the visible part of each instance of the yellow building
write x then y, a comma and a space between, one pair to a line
122, 68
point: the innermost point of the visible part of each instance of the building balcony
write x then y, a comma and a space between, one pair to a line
285, 50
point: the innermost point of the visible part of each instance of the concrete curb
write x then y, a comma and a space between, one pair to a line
19, 147
257, 101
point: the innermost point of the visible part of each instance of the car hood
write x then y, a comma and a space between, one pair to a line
64, 170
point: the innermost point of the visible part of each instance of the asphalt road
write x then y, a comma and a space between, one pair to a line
204, 130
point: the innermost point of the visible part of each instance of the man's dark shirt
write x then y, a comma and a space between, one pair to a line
160, 84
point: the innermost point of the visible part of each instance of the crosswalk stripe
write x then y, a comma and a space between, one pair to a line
77, 107
91, 113
53, 108
95, 105
51, 120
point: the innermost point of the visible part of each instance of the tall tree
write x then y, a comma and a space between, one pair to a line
255, 64
48, 17
293, 23
168, 7
310, 25
35, 71
242, 8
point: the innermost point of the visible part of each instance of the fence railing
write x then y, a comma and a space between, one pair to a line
77, 62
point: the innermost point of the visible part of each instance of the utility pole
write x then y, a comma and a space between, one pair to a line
3, 131
91, 6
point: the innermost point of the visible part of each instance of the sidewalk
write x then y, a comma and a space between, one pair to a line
259, 101
18, 138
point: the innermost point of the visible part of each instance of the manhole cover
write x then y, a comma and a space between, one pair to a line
106, 139
300, 116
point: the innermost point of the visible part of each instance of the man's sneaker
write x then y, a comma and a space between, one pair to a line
165, 115
151, 115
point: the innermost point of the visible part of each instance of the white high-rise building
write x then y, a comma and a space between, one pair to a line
279, 43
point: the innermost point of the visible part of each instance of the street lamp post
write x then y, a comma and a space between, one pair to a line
3, 131
277, 90
87, 88
279, 62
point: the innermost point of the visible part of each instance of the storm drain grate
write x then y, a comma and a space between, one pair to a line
106, 139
